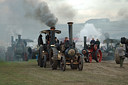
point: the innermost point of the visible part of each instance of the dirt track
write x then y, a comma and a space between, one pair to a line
28, 73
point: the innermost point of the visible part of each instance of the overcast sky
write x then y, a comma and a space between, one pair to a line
14, 13
88, 9
76, 10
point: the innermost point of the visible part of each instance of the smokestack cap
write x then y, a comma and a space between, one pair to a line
52, 28
70, 23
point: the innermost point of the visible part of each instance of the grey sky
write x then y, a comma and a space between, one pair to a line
81, 10
13, 18
87, 9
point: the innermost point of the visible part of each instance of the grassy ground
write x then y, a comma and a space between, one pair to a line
28, 73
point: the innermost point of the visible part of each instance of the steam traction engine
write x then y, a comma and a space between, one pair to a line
49, 52
59, 55
69, 54
91, 52
17, 51
20, 50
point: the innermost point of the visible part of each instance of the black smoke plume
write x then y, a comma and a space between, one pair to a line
39, 10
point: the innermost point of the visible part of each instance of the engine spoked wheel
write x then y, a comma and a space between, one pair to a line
40, 57
63, 64
98, 56
80, 65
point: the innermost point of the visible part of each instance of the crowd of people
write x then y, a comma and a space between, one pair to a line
40, 40
66, 40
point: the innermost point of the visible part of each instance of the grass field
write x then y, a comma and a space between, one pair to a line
28, 73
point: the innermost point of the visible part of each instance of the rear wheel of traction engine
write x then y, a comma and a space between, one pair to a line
63, 64
44, 61
98, 55
89, 57
40, 57
80, 65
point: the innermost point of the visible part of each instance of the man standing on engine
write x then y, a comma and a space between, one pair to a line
56, 40
97, 43
40, 41
92, 42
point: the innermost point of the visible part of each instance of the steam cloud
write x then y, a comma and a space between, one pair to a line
106, 35
90, 31
39, 10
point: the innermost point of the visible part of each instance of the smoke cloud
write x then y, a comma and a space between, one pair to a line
66, 11
123, 13
13, 19
10, 19
39, 10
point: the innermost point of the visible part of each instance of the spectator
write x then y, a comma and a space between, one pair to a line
40, 41
92, 42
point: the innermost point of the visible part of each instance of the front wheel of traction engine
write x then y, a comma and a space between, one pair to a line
63, 64
80, 65
89, 57
54, 59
